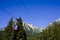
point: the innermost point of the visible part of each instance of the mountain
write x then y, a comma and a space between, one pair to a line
30, 29
57, 21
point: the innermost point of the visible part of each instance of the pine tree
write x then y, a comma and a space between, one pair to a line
21, 35
7, 35
52, 32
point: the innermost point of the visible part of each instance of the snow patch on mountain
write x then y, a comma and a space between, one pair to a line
58, 19
30, 27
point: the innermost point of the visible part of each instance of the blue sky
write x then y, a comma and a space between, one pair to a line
36, 12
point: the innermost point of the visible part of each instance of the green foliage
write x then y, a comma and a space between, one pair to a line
21, 35
8, 31
10, 34
52, 32
1, 32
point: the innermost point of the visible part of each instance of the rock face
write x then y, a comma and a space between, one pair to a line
30, 29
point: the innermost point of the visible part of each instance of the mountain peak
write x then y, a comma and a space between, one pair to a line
31, 28
58, 19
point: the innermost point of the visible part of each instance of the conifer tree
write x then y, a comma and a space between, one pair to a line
52, 32
21, 35
7, 35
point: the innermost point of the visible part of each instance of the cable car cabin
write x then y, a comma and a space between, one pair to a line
15, 27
